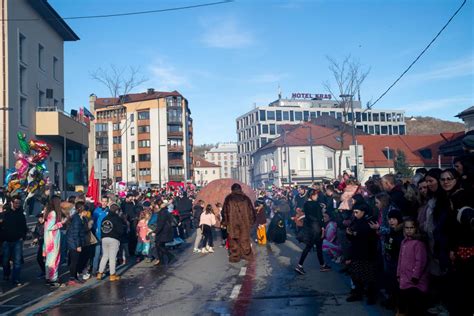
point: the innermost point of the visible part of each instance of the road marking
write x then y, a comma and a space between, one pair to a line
235, 291
243, 270
14, 289
9, 299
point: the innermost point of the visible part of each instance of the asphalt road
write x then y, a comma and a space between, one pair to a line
199, 284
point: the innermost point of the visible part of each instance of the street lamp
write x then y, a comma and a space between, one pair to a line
64, 163
310, 142
356, 171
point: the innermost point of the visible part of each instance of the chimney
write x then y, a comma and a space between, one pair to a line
150, 91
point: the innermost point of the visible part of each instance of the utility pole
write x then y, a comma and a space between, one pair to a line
310, 141
288, 157
354, 143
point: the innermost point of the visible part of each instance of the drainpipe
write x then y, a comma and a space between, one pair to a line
4, 91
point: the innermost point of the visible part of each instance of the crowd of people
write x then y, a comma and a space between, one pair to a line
405, 242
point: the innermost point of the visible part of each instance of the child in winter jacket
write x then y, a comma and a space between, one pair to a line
143, 241
207, 220
412, 272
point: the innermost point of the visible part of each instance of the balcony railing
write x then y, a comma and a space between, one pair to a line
175, 134
176, 178
176, 163
175, 149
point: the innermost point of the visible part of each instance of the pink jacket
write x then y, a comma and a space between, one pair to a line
412, 263
346, 197
207, 219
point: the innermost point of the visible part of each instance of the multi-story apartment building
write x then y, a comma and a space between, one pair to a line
146, 138
260, 125
32, 90
224, 155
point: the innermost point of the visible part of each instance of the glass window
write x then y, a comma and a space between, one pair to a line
144, 115
339, 116
278, 115
41, 56
298, 116
292, 116
132, 117
377, 129
265, 129
401, 129
116, 126
262, 115
132, 131
117, 140
271, 115
364, 117
272, 129
329, 163
358, 117
312, 115
286, 116
371, 129
144, 129
333, 114
132, 144
375, 117
41, 100
144, 157
22, 47
55, 68
132, 158
382, 117
384, 130
23, 112
306, 115
22, 79
144, 143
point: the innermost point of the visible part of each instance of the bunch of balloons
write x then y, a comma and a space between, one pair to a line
29, 173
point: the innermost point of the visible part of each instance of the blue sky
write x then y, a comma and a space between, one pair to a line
225, 58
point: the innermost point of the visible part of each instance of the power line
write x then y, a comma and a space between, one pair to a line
419, 56
101, 16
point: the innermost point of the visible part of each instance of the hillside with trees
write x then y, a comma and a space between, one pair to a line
422, 125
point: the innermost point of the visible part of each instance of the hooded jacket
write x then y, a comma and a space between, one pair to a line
112, 226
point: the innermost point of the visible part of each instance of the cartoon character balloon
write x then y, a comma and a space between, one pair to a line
29, 173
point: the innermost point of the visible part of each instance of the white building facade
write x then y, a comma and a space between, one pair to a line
260, 125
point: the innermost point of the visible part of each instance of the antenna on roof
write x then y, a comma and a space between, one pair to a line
279, 92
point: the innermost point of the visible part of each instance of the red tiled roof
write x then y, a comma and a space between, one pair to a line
204, 163
298, 136
135, 97
375, 145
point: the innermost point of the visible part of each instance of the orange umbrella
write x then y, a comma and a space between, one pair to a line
217, 190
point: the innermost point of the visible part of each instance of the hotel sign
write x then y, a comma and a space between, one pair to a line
300, 95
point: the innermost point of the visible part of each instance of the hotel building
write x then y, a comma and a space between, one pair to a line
145, 138
260, 125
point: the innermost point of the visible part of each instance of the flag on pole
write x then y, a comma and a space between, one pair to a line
93, 189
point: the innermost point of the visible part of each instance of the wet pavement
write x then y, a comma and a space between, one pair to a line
199, 284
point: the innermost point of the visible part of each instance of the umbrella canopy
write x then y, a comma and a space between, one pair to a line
217, 190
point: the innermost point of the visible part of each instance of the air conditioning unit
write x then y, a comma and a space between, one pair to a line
293, 172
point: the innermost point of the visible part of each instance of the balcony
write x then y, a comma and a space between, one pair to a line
175, 134
57, 124
174, 121
175, 149
175, 163
176, 177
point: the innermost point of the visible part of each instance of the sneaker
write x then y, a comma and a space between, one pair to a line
17, 283
196, 250
114, 277
211, 250
54, 284
325, 268
156, 262
299, 269
99, 276
204, 250
86, 276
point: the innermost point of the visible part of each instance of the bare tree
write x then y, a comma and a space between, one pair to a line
119, 82
348, 76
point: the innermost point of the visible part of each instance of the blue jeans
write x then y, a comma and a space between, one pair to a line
13, 250
97, 255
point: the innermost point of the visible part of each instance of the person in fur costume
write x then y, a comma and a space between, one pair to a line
239, 216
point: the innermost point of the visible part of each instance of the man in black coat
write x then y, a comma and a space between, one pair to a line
76, 236
163, 232
184, 207
14, 229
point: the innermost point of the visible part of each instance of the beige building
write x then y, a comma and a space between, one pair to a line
224, 155
32, 90
144, 138
205, 171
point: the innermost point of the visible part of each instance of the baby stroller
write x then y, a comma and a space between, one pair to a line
177, 240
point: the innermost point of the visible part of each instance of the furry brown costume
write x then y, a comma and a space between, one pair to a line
238, 216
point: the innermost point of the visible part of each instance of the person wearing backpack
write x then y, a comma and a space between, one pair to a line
111, 229
163, 233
